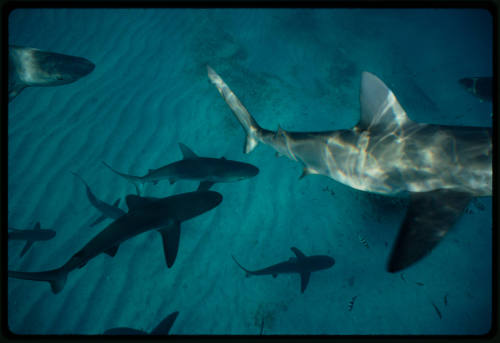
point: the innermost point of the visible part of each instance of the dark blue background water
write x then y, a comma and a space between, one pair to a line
299, 69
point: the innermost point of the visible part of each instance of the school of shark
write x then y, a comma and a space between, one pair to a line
440, 168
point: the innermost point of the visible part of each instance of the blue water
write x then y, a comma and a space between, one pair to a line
296, 68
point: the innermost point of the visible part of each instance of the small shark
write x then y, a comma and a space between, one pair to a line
440, 167
192, 167
161, 329
301, 264
481, 87
145, 214
34, 67
30, 236
108, 211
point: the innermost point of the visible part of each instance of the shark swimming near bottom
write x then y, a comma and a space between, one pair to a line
107, 210
302, 264
440, 167
34, 67
144, 214
30, 236
480, 87
163, 328
207, 170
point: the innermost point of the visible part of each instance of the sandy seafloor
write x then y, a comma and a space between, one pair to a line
296, 68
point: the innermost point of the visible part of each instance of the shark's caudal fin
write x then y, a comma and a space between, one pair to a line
248, 272
56, 277
252, 129
135, 180
429, 217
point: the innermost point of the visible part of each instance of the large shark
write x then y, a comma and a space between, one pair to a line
192, 167
440, 167
30, 236
107, 210
163, 328
302, 264
481, 87
144, 214
34, 67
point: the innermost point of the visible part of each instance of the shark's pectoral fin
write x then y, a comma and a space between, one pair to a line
98, 220
27, 247
205, 185
429, 217
112, 251
170, 236
304, 280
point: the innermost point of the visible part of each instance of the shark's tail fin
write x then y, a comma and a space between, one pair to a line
135, 180
56, 277
248, 272
252, 129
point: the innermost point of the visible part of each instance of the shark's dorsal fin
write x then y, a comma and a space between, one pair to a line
37, 226
116, 203
135, 201
298, 253
379, 107
163, 328
186, 152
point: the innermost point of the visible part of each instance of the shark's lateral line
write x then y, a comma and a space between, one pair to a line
30, 236
144, 214
163, 328
34, 67
301, 264
207, 170
107, 210
441, 167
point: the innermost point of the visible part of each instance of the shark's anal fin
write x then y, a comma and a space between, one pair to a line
27, 247
429, 217
304, 280
205, 185
112, 251
98, 220
170, 236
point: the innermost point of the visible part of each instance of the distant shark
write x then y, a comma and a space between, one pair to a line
301, 264
108, 211
440, 167
192, 167
34, 67
144, 214
30, 236
481, 87
163, 328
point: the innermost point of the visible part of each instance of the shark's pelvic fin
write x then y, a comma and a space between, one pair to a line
429, 217
186, 152
170, 237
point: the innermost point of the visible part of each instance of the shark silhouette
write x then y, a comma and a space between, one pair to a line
107, 210
192, 167
30, 236
163, 328
34, 67
144, 214
440, 167
301, 264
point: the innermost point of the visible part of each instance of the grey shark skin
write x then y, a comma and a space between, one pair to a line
144, 214
207, 170
481, 87
301, 264
440, 167
30, 236
34, 67
163, 328
107, 210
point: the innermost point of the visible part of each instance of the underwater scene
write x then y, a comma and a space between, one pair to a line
250, 171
